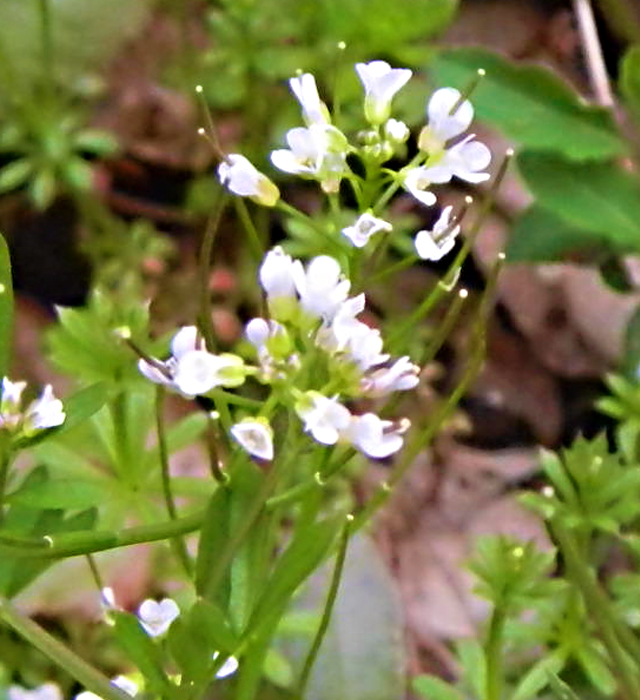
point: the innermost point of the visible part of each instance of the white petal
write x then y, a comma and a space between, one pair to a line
277, 274
287, 162
186, 340
157, 617
153, 373
443, 125
428, 249
306, 91
229, 667
197, 372
45, 412
256, 437
257, 332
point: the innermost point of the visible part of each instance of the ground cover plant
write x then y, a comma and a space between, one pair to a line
248, 385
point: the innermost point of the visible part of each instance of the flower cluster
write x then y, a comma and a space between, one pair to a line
45, 412
319, 151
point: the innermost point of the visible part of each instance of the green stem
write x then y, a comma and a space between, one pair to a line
72, 544
5, 463
493, 656
598, 605
177, 543
205, 322
328, 608
77, 667
119, 418
215, 463
256, 245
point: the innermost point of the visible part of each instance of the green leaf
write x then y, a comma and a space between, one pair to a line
83, 404
141, 650
541, 236
42, 188
307, 549
6, 307
15, 174
531, 105
599, 198
64, 493
630, 79
215, 534
432, 688
537, 677
97, 141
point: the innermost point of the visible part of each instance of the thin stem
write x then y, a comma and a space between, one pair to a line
493, 656
598, 605
328, 608
77, 667
95, 572
5, 463
215, 462
71, 544
256, 245
593, 53
177, 543
205, 322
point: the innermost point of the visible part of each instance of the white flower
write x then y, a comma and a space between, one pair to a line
155, 617
11, 395
318, 152
121, 682
314, 111
396, 131
191, 370
443, 125
324, 418
401, 376
322, 287
255, 435
417, 182
229, 667
365, 226
46, 691
276, 274
242, 178
45, 412
465, 161
381, 82
375, 437
436, 243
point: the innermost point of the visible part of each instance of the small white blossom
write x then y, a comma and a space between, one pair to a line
466, 161
401, 376
121, 682
156, 618
322, 287
45, 412
228, 668
314, 111
46, 691
417, 182
11, 395
276, 274
396, 131
241, 177
381, 82
443, 125
375, 437
365, 226
191, 370
255, 435
318, 152
436, 243
324, 418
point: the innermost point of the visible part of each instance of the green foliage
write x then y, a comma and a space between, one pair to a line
594, 490
630, 79
6, 307
531, 105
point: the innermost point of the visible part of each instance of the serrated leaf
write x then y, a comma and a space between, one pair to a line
540, 235
599, 198
531, 105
